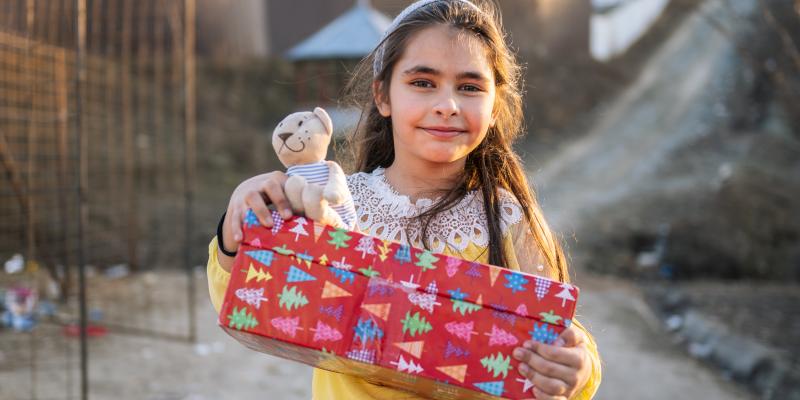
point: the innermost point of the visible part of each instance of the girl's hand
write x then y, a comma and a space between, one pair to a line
255, 193
557, 371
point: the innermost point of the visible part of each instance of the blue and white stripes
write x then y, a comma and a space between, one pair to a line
318, 173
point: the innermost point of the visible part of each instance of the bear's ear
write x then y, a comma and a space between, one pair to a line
326, 120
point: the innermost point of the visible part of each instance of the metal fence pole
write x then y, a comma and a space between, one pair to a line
189, 154
80, 77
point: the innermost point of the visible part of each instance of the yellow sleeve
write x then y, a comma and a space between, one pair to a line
218, 278
593, 383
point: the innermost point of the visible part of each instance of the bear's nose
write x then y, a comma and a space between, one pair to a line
284, 135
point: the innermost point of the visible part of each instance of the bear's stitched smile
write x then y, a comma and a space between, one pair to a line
291, 149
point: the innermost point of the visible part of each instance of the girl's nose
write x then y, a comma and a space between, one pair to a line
446, 106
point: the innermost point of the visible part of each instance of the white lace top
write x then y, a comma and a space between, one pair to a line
384, 213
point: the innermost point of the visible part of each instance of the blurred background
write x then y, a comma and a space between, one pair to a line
663, 141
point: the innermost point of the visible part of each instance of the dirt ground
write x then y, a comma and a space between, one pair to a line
637, 356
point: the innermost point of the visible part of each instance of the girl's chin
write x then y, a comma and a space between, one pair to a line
442, 157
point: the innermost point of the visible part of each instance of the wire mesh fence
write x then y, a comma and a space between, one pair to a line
96, 171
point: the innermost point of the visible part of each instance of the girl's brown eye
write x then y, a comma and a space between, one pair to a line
422, 84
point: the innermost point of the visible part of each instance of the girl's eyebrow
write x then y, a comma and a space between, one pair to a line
422, 69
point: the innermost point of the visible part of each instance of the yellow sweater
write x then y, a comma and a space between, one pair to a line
332, 385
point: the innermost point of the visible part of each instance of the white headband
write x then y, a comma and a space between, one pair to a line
377, 62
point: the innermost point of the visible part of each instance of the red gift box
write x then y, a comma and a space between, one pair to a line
439, 326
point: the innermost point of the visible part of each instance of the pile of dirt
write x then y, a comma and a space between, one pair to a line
726, 208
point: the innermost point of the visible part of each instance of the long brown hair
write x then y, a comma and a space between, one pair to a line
493, 164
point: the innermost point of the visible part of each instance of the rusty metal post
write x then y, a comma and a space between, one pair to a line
80, 77
189, 161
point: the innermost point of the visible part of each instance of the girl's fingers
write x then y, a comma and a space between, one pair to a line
549, 386
541, 395
257, 203
571, 337
553, 370
274, 190
568, 356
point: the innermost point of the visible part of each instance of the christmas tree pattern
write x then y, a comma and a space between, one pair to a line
377, 288
543, 333
369, 272
299, 228
363, 355
257, 273
527, 384
425, 260
426, 301
403, 254
250, 219
305, 258
453, 350
298, 275
292, 298
452, 266
464, 307
241, 319
415, 324
277, 222
515, 282
379, 310
339, 238
501, 337
323, 259
462, 330
263, 256
501, 312
342, 264
413, 348
330, 290
522, 310
287, 325
367, 330
335, 312
494, 388
457, 372
409, 367
366, 245
344, 276
565, 294
254, 297
474, 271
542, 286
384, 250
432, 288
494, 272
283, 250
550, 317
255, 242
409, 284
318, 229
497, 364
325, 332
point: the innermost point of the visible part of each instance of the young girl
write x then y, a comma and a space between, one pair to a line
436, 170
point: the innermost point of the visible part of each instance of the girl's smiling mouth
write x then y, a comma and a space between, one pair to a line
443, 131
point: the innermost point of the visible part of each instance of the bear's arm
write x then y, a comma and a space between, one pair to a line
336, 190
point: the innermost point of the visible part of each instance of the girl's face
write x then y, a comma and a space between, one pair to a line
441, 96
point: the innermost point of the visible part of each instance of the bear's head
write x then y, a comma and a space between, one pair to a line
303, 137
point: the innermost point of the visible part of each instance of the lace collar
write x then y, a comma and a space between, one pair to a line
384, 213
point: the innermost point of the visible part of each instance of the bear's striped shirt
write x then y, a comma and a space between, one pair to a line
317, 173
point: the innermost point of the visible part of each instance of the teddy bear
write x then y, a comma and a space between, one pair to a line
316, 187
